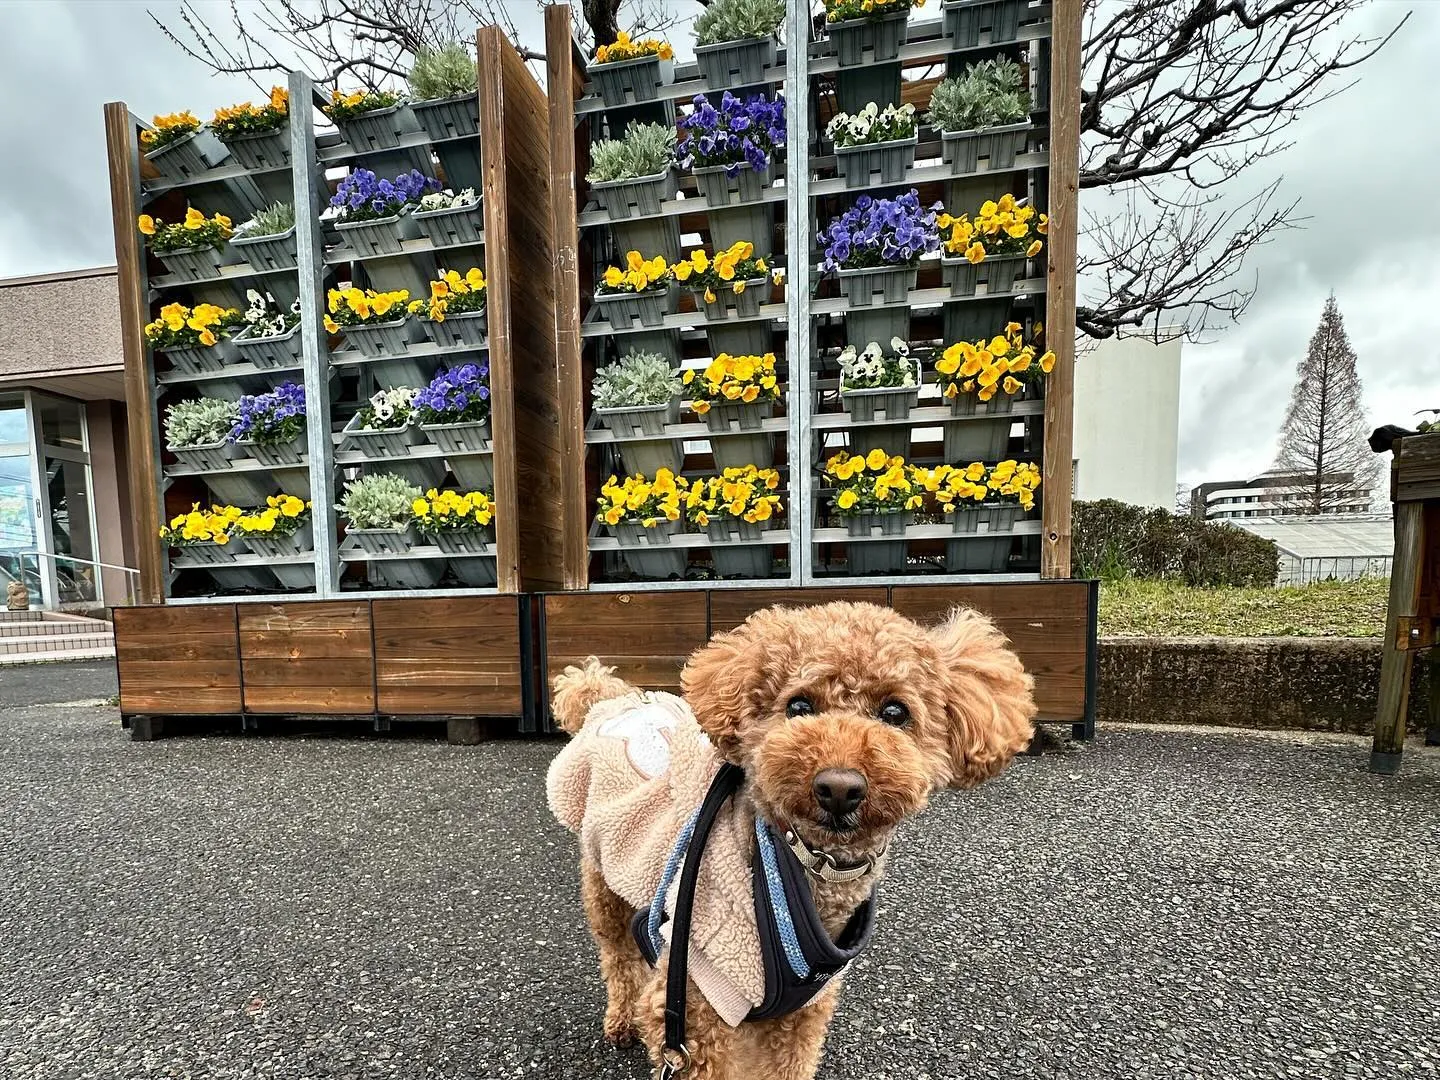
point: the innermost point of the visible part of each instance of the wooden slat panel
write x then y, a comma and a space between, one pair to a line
730, 607
647, 636
177, 660
1417, 468
1047, 622
1060, 253
448, 655
307, 657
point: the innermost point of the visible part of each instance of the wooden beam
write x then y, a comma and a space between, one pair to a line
1395, 663
1060, 298
122, 153
565, 83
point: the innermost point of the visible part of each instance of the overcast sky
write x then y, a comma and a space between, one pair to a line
1363, 165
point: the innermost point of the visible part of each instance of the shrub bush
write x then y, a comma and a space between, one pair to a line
1112, 539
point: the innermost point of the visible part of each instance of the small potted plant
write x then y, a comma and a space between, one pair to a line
735, 41
368, 120
875, 249
194, 249
874, 145
642, 291
442, 87
878, 27
379, 326
879, 385
983, 506
195, 340
460, 524
271, 338
993, 249
257, 136
271, 427
267, 240
198, 432
373, 215
643, 515
177, 147
632, 71
636, 397
967, 20
454, 316
632, 175
732, 149
379, 511
735, 395
448, 219
985, 379
733, 509
735, 278
875, 494
983, 114
383, 426
453, 412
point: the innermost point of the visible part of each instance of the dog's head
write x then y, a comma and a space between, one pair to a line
847, 716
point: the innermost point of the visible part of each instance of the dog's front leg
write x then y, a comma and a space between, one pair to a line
709, 1039
789, 1048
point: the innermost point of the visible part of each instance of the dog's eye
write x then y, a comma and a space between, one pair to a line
893, 712
800, 706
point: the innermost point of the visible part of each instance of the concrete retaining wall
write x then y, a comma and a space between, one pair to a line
1312, 684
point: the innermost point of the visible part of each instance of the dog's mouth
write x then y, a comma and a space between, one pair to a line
838, 823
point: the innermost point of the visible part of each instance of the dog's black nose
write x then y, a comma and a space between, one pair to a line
839, 791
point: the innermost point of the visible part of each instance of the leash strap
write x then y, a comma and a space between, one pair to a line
675, 1057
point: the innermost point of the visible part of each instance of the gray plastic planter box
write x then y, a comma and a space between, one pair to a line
199, 263
892, 284
273, 546
380, 129
623, 81
453, 227
622, 310
876, 556
649, 456
276, 455
263, 150
967, 21
876, 163
970, 405
639, 196
476, 571
455, 440
728, 530
457, 330
882, 403
448, 118
242, 488
738, 339
755, 223
998, 273
473, 473
462, 542
637, 420
382, 442
985, 517
736, 439
654, 558
977, 554
379, 236
746, 305
393, 541
649, 236
730, 64
268, 252
978, 440
732, 560
278, 351
206, 456
199, 360
212, 554
881, 38
885, 524
998, 146
406, 573
187, 157
394, 338
746, 186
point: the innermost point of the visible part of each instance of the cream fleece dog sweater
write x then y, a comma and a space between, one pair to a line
627, 783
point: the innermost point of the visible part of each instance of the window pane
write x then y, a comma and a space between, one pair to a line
62, 423
17, 518
12, 421
70, 528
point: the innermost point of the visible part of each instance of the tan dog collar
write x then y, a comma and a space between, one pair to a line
823, 865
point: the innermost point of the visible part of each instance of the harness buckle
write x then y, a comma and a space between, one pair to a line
673, 1062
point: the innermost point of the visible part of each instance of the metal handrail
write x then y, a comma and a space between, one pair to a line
132, 574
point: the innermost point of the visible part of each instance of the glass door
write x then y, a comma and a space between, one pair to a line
68, 532
19, 501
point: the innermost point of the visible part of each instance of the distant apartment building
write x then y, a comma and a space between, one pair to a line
1277, 494
1127, 421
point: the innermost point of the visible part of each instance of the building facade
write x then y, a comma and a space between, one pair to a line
1276, 494
1127, 421
66, 529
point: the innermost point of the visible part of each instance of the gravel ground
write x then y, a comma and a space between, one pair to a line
64, 681
1162, 904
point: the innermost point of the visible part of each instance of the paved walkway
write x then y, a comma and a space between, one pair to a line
1162, 905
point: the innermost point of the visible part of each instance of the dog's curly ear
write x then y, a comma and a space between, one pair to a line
724, 680
989, 697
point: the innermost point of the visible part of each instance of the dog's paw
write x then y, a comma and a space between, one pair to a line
620, 1032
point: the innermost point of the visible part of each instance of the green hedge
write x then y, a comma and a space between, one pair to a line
1116, 540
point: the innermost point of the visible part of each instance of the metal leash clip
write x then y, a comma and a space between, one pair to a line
673, 1062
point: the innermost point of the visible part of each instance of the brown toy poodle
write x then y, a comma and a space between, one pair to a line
844, 718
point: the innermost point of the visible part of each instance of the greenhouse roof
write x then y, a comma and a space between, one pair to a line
1326, 535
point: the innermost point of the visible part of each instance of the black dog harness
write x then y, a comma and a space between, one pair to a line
799, 957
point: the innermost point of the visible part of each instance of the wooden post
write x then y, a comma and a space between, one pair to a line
1065, 71
566, 82
123, 155
1395, 663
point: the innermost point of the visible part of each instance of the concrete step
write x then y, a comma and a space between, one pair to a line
53, 623
7, 616
55, 643
60, 654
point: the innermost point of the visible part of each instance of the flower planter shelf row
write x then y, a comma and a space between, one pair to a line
691, 540
686, 82
333, 149
595, 325
942, 531
920, 175
219, 174
922, 298
675, 207
228, 272
690, 432
926, 42
922, 416
345, 253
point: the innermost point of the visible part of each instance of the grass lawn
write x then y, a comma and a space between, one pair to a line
1169, 609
